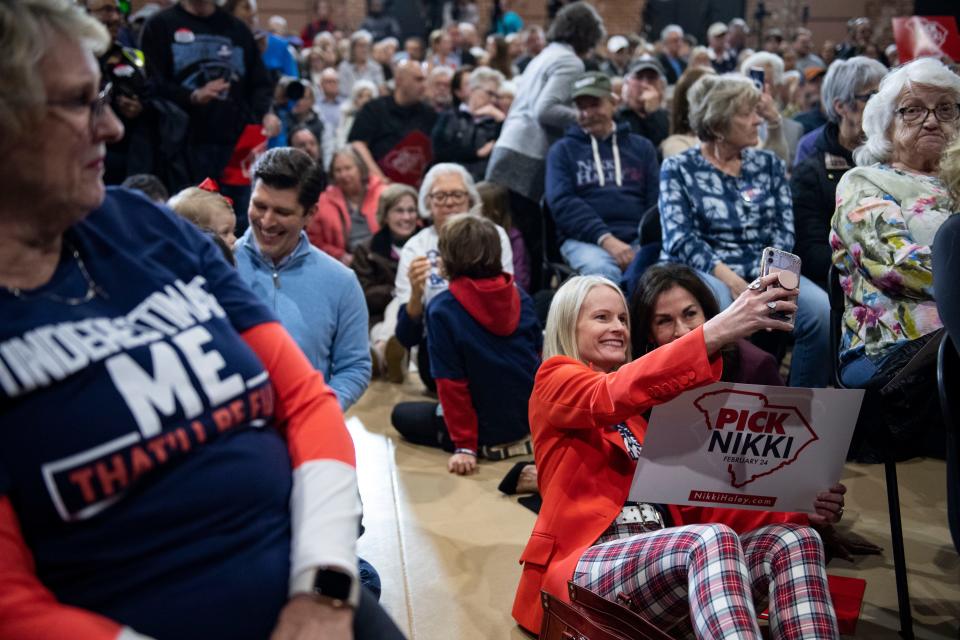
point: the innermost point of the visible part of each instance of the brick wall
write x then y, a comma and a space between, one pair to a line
620, 16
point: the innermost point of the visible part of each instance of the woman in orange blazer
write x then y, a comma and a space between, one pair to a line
585, 419
346, 214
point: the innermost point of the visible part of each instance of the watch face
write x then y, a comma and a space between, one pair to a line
333, 584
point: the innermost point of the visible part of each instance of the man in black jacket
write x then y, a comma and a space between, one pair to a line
846, 89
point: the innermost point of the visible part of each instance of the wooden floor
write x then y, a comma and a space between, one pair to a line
446, 547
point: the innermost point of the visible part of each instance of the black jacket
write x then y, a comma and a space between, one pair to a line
814, 188
457, 137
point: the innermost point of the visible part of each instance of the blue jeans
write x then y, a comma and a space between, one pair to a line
591, 259
810, 366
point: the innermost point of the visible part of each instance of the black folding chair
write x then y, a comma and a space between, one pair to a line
948, 368
555, 270
837, 305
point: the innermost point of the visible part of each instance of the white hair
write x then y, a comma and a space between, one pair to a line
508, 87
878, 114
441, 70
560, 335
671, 28
482, 75
442, 169
763, 59
845, 79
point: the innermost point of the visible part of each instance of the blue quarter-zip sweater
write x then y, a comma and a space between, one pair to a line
320, 302
592, 191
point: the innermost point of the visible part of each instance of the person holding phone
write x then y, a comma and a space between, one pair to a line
686, 569
724, 202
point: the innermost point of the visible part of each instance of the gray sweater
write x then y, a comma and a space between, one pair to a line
537, 118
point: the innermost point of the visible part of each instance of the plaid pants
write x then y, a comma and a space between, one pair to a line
705, 579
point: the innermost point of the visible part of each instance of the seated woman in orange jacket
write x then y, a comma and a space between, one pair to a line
585, 418
346, 214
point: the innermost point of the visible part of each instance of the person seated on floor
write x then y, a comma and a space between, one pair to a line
888, 211
845, 91
644, 86
484, 341
600, 180
495, 205
723, 202
347, 210
277, 261
149, 185
375, 263
207, 209
447, 190
707, 569
670, 301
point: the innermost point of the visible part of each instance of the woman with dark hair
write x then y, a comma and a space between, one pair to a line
499, 50
538, 117
670, 301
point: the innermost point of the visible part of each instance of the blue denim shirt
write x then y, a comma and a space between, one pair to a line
710, 217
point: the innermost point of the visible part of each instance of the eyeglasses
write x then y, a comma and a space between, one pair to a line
107, 9
946, 112
864, 97
96, 107
442, 197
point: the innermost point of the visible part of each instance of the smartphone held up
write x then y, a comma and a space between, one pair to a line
787, 267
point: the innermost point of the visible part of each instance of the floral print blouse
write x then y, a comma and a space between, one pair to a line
882, 231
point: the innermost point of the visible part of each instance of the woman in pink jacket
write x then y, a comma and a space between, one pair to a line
347, 210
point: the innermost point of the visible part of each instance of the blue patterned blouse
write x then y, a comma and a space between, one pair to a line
710, 217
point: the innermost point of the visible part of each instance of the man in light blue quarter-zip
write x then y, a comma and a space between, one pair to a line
316, 298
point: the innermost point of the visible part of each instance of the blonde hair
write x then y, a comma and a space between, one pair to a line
390, 196
561, 330
29, 29
197, 205
950, 171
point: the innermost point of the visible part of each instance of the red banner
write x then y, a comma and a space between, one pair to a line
920, 36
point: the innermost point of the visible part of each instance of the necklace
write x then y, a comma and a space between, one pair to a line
92, 287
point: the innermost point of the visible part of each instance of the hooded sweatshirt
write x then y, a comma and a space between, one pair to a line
595, 187
485, 344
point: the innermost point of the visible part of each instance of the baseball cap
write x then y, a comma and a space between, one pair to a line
716, 29
646, 62
615, 43
812, 73
592, 83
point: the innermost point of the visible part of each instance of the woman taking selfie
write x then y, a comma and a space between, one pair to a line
585, 419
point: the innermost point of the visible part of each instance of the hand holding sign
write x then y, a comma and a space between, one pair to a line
749, 446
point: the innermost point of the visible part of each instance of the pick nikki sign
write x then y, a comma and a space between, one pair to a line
746, 446
754, 437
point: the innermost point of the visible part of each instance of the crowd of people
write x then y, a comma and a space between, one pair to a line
297, 214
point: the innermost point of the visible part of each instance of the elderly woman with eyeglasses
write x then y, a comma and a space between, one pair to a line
447, 190
888, 211
845, 91
171, 464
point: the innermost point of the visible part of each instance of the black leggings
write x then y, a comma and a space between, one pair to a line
419, 423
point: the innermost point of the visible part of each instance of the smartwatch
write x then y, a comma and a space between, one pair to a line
336, 587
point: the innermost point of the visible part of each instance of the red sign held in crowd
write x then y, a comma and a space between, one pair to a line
920, 36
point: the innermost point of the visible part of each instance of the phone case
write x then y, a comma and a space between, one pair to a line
774, 260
